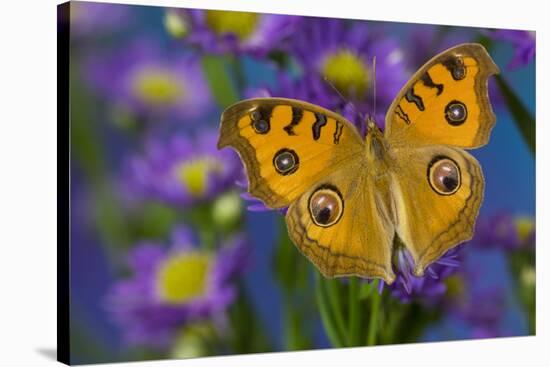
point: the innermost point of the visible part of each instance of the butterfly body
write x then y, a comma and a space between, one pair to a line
348, 197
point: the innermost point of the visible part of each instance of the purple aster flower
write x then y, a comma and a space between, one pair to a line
524, 43
254, 204
505, 231
173, 286
148, 82
483, 309
425, 41
428, 288
182, 171
342, 53
231, 32
91, 19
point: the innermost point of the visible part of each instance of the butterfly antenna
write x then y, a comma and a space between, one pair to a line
342, 97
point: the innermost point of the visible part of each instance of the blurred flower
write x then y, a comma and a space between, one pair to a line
423, 42
222, 32
526, 230
484, 311
148, 82
528, 277
183, 170
254, 204
226, 210
176, 23
170, 287
342, 54
427, 288
524, 43
505, 231
93, 19
191, 340
309, 89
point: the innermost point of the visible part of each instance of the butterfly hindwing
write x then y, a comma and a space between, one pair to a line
446, 101
287, 145
437, 192
343, 225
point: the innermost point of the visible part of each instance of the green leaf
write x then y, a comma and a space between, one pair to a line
522, 117
329, 324
354, 320
334, 293
246, 332
219, 81
374, 312
366, 290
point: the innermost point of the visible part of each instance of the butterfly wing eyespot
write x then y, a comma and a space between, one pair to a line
444, 175
326, 206
260, 120
456, 113
455, 65
286, 161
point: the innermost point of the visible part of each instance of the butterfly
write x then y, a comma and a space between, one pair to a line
349, 197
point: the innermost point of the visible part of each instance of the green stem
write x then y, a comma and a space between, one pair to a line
324, 311
522, 117
375, 310
354, 316
334, 298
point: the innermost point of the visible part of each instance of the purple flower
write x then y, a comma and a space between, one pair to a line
232, 32
485, 307
524, 43
91, 19
342, 54
483, 310
428, 288
173, 286
254, 204
182, 171
423, 42
145, 81
505, 231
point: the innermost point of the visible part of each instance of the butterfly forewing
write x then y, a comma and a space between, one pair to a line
445, 102
287, 145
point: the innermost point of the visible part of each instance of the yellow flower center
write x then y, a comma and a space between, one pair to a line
157, 87
525, 227
241, 24
194, 174
347, 72
183, 277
